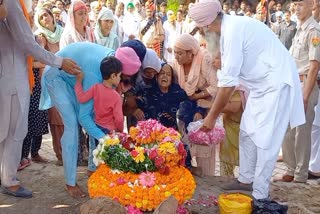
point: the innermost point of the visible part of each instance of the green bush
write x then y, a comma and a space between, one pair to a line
173, 5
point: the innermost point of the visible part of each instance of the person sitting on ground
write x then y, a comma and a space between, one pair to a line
162, 100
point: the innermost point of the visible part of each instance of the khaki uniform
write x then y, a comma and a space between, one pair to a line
297, 142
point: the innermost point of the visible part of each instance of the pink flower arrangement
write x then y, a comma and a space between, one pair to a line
214, 136
147, 179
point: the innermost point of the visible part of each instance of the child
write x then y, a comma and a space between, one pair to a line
107, 102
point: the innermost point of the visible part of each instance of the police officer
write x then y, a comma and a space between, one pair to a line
306, 51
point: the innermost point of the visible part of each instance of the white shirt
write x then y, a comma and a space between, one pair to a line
131, 26
253, 55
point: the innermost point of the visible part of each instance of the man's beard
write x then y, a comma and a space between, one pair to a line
213, 42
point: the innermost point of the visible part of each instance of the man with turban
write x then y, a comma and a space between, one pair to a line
253, 55
131, 24
58, 91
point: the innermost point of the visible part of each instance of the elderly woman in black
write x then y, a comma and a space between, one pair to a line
162, 100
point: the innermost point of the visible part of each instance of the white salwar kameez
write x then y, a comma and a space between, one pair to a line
253, 55
314, 164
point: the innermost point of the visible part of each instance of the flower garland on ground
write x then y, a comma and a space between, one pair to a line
142, 169
127, 189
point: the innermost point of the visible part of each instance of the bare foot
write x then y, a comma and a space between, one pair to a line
75, 191
39, 159
89, 173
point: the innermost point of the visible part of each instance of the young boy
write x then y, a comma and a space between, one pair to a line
107, 102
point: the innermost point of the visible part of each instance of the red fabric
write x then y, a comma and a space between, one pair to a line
106, 103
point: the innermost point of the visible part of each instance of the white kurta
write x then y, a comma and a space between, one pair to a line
131, 26
253, 55
170, 35
314, 164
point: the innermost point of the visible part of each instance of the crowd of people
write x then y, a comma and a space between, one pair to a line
80, 67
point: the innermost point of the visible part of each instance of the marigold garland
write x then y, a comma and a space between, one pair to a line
105, 182
142, 169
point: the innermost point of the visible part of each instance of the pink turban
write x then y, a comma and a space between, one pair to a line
129, 59
188, 43
205, 12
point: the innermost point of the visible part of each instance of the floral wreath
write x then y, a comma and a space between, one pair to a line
143, 168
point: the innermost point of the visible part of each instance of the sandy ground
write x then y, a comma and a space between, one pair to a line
47, 183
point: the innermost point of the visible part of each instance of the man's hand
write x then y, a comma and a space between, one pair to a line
70, 66
208, 124
3, 11
169, 50
138, 113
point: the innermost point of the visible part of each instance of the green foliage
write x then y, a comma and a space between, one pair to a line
173, 5
119, 158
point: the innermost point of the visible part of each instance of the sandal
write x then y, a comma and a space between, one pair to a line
21, 192
25, 162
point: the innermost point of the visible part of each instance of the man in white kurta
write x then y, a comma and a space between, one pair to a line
314, 164
170, 35
131, 24
17, 41
253, 56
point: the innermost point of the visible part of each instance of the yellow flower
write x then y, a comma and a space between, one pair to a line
139, 149
144, 202
112, 141
139, 158
168, 147
167, 194
140, 154
138, 205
